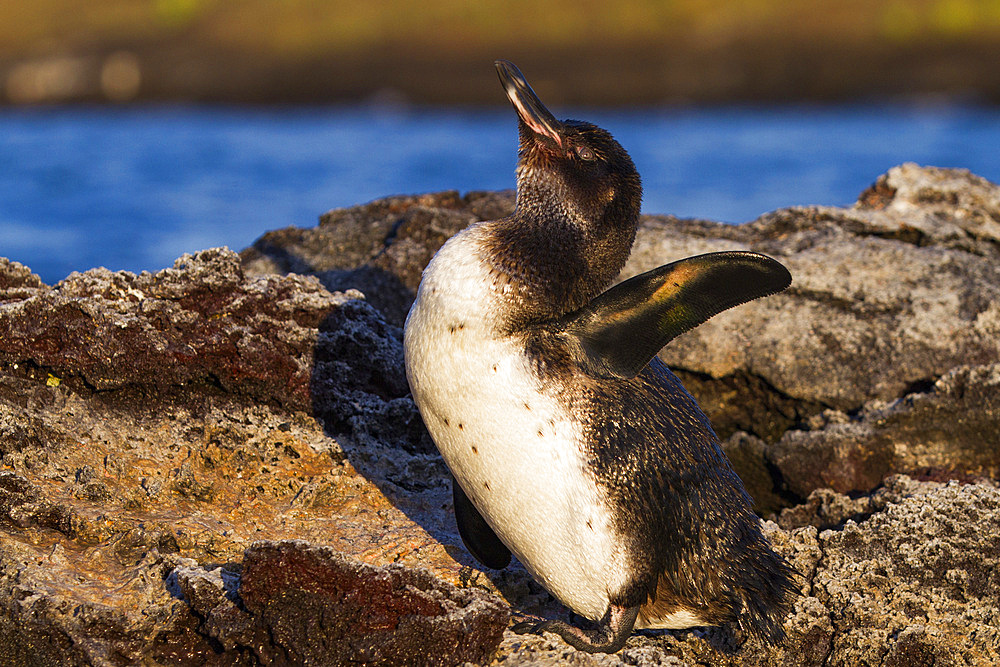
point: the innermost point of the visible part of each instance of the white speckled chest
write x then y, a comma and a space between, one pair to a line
509, 441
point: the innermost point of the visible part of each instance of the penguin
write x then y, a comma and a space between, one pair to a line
571, 445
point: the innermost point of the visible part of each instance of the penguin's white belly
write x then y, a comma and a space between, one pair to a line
513, 447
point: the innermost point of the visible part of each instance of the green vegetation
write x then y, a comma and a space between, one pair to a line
313, 26
679, 50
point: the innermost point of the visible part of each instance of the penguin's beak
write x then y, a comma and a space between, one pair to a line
529, 108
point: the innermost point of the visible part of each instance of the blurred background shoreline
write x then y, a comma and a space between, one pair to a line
611, 54
132, 131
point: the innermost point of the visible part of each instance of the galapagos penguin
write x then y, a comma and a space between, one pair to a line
571, 445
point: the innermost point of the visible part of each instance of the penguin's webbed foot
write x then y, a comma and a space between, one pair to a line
608, 637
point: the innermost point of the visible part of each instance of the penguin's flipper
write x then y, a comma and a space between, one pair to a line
621, 330
479, 538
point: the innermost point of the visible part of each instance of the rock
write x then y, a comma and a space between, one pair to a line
379, 248
914, 582
213, 464
17, 280
888, 297
320, 607
918, 583
866, 317
292, 602
927, 205
749, 456
949, 431
179, 429
198, 322
66, 606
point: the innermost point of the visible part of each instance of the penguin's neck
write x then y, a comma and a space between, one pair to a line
554, 258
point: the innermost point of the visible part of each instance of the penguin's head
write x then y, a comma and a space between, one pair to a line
569, 166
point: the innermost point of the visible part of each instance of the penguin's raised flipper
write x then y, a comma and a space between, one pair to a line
479, 538
621, 330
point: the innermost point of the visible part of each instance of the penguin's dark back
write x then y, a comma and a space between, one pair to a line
677, 499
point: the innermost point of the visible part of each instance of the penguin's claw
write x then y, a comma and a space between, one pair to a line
608, 637
528, 627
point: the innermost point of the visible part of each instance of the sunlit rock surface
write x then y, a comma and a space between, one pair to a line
220, 463
880, 358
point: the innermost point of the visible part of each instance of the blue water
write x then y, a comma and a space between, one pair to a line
134, 189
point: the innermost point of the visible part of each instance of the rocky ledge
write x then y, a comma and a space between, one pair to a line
220, 463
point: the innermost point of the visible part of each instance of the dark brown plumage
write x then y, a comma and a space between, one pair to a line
698, 545
676, 532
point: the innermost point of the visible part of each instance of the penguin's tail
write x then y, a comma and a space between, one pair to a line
767, 591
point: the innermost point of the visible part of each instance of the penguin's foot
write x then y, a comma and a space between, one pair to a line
608, 637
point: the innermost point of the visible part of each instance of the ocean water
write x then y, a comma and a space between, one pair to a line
135, 188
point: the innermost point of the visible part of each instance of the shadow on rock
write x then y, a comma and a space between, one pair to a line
164, 489
361, 397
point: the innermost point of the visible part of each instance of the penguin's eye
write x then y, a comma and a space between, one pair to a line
585, 153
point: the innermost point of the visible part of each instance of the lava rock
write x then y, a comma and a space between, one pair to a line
320, 607
379, 248
890, 297
198, 322
949, 431
291, 602
917, 583
218, 465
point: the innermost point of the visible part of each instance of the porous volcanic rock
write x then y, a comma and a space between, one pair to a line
379, 248
948, 431
197, 322
220, 463
914, 582
157, 425
321, 607
294, 603
828, 381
